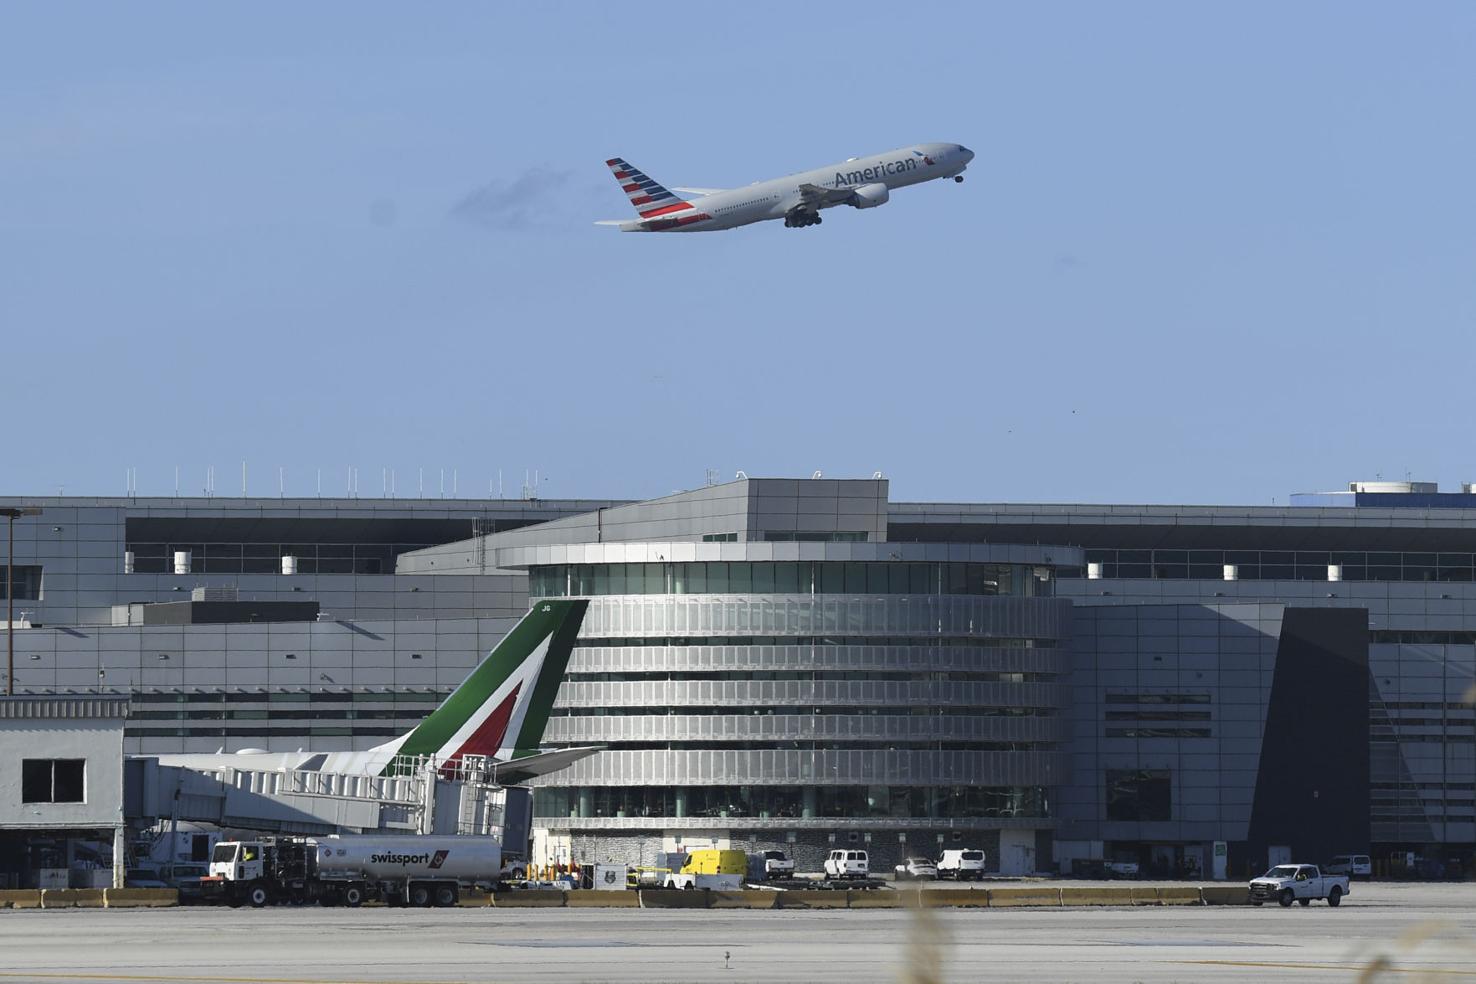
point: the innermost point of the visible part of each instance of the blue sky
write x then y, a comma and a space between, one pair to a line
1204, 254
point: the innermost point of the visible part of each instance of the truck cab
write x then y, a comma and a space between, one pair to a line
237, 860
238, 872
1300, 883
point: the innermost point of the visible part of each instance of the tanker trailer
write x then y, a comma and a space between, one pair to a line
350, 870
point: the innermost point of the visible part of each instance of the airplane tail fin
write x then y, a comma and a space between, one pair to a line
646, 196
501, 709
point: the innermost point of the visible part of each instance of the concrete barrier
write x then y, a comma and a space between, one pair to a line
533, 898
20, 898
590, 899
749, 898
963, 898
1097, 896
879, 898
1144, 895
71, 898
140, 898
1225, 894
473, 898
1001, 898
814, 898
673, 898
1179, 895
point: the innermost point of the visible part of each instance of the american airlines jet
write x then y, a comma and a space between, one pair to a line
861, 182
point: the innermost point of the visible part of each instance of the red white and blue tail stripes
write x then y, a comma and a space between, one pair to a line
646, 196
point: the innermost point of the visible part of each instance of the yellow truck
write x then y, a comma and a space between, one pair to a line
710, 868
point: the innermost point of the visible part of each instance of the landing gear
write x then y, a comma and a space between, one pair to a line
800, 218
958, 179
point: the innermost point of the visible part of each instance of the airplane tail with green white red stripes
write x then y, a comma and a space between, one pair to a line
500, 710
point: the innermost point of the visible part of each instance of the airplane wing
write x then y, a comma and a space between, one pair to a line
698, 191
814, 196
541, 763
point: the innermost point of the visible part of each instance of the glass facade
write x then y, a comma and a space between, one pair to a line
795, 802
787, 578
935, 685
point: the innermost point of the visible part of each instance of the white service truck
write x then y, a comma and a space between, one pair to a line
1288, 883
351, 870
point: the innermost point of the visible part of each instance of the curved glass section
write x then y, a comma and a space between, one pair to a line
787, 578
894, 691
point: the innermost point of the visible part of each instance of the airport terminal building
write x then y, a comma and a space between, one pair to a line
804, 664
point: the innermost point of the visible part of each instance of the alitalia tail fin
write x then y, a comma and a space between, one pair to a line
501, 709
646, 196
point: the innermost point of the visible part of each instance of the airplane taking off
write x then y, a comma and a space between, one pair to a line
499, 712
861, 182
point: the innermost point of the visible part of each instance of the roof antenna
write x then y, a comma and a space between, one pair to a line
818, 474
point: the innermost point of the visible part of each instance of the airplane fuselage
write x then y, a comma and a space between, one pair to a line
779, 198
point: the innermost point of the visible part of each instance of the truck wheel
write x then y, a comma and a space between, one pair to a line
1334, 896
258, 896
353, 896
420, 896
689, 886
445, 896
1286, 898
1304, 902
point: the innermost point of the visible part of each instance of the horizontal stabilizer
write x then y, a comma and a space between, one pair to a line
542, 763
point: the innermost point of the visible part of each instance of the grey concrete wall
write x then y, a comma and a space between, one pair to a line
98, 741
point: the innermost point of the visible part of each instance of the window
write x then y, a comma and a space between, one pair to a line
1139, 794
52, 781
27, 583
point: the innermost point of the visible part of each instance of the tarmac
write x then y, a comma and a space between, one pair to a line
1382, 932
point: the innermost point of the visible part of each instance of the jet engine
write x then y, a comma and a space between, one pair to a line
870, 196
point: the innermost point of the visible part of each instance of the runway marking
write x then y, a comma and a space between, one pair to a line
1382, 968
50, 976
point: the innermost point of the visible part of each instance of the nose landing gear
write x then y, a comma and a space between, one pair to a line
958, 179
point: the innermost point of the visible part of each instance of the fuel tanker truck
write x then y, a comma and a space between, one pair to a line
351, 870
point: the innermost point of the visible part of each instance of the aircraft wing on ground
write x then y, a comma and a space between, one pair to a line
814, 196
541, 763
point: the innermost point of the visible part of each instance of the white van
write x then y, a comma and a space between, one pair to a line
847, 864
960, 865
1352, 865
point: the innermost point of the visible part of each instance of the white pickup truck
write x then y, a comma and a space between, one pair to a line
1288, 883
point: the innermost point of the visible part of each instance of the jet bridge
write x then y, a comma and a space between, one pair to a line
423, 796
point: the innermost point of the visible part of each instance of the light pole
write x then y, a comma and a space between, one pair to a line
10, 513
